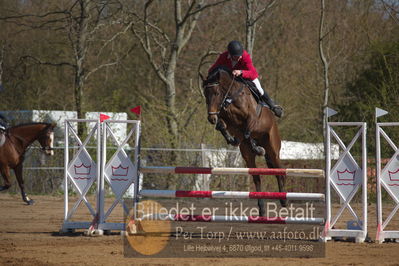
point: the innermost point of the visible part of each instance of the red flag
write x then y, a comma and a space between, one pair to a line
136, 110
104, 117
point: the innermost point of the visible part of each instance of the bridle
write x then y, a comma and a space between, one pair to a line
224, 98
47, 148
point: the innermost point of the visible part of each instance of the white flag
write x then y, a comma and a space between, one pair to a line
330, 112
379, 112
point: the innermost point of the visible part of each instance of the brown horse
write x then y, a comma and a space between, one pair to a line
17, 140
242, 122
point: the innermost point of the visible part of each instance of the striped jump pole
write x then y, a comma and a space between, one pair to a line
231, 195
240, 171
239, 219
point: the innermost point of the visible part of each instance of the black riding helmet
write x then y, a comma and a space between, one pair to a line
235, 48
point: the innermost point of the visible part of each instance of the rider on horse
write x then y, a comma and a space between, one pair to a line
239, 61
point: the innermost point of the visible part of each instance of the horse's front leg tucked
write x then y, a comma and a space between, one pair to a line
254, 146
251, 125
222, 127
18, 174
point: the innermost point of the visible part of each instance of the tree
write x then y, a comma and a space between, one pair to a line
326, 81
376, 86
1, 66
254, 12
164, 45
392, 8
89, 27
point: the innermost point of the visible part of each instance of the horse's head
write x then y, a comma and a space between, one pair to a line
216, 88
46, 139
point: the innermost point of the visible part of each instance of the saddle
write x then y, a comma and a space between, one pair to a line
254, 91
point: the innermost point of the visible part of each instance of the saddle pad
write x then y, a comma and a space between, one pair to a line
255, 92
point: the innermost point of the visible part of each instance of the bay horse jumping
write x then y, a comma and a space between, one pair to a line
236, 114
17, 141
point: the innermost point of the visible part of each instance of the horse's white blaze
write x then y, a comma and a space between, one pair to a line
51, 143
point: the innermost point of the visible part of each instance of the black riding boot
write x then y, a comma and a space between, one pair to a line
276, 109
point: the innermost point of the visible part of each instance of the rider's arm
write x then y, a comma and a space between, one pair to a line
248, 71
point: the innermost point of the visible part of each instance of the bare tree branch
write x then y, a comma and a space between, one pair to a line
45, 15
390, 9
262, 12
202, 8
324, 62
202, 63
147, 50
115, 36
39, 61
252, 17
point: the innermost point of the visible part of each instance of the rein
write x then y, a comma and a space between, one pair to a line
224, 99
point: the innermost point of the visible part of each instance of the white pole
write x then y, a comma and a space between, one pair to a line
379, 237
232, 171
242, 219
230, 194
137, 161
101, 158
66, 161
364, 190
328, 179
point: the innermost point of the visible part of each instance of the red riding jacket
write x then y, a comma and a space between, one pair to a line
244, 64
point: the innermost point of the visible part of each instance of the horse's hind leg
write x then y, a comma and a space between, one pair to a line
273, 161
18, 174
249, 158
5, 172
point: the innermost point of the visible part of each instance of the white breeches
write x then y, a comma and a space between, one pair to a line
258, 86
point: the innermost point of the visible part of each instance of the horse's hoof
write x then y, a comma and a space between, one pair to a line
29, 201
3, 188
260, 151
278, 111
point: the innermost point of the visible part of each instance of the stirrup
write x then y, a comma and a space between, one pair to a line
278, 111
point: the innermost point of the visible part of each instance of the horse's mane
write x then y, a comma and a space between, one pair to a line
30, 124
213, 76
